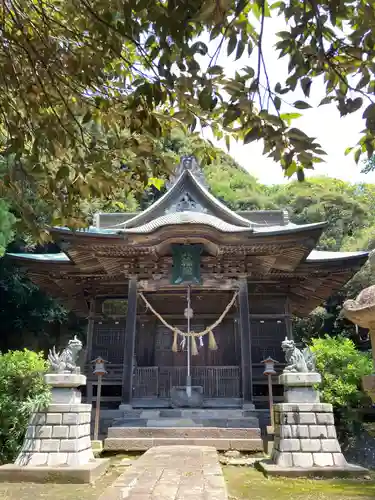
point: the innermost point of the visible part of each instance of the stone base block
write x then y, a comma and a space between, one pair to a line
58, 436
296, 379
298, 394
87, 473
348, 470
220, 444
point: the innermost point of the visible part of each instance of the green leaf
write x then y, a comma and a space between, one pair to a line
290, 116
252, 135
232, 44
306, 86
87, 117
205, 99
301, 105
154, 181
326, 100
369, 111
357, 155
284, 35
63, 173
215, 70
240, 49
356, 104
200, 48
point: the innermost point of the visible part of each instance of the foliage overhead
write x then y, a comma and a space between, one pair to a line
89, 87
7, 221
22, 391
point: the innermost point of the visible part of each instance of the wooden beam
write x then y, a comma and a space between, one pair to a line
129, 344
208, 284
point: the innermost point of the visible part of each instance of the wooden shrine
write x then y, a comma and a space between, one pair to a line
268, 262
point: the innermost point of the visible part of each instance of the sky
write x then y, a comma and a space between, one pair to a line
334, 133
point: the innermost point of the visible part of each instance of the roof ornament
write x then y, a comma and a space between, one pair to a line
187, 163
186, 204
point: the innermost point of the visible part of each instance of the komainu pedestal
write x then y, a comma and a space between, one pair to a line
57, 444
59, 435
305, 436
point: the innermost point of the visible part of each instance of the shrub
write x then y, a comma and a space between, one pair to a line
342, 367
22, 390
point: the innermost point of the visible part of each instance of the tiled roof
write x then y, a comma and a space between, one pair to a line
318, 255
314, 256
220, 208
187, 217
50, 257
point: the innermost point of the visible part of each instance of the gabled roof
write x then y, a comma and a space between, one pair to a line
186, 183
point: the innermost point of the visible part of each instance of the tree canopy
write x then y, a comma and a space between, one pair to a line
89, 87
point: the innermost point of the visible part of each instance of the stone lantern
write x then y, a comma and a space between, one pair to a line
269, 370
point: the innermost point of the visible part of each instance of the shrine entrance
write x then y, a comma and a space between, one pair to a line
217, 371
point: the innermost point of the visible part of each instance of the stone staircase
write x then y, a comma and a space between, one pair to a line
141, 429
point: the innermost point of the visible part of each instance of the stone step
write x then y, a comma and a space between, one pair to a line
221, 444
187, 432
188, 413
247, 423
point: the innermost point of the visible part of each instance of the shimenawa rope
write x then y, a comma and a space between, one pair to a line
176, 331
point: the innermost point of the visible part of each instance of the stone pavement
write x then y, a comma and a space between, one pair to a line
171, 473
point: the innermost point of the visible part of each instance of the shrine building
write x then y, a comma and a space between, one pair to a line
246, 273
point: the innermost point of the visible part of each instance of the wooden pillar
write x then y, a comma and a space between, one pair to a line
86, 358
288, 320
245, 335
90, 330
129, 344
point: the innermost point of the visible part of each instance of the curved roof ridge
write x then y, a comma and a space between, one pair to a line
187, 217
132, 222
219, 204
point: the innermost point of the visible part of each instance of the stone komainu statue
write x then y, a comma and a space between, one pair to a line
297, 361
65, 362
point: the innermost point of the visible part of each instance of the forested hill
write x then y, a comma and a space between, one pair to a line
348, 208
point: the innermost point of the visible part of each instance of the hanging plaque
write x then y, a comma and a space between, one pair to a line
186, 264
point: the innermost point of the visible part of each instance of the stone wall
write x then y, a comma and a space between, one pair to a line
305, 436
58, 436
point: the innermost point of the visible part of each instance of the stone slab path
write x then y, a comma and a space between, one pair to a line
171, 473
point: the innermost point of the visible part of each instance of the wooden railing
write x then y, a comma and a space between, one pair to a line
154, 381
217, 381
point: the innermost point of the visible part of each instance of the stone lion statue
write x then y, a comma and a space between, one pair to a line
65, 362
297, 361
